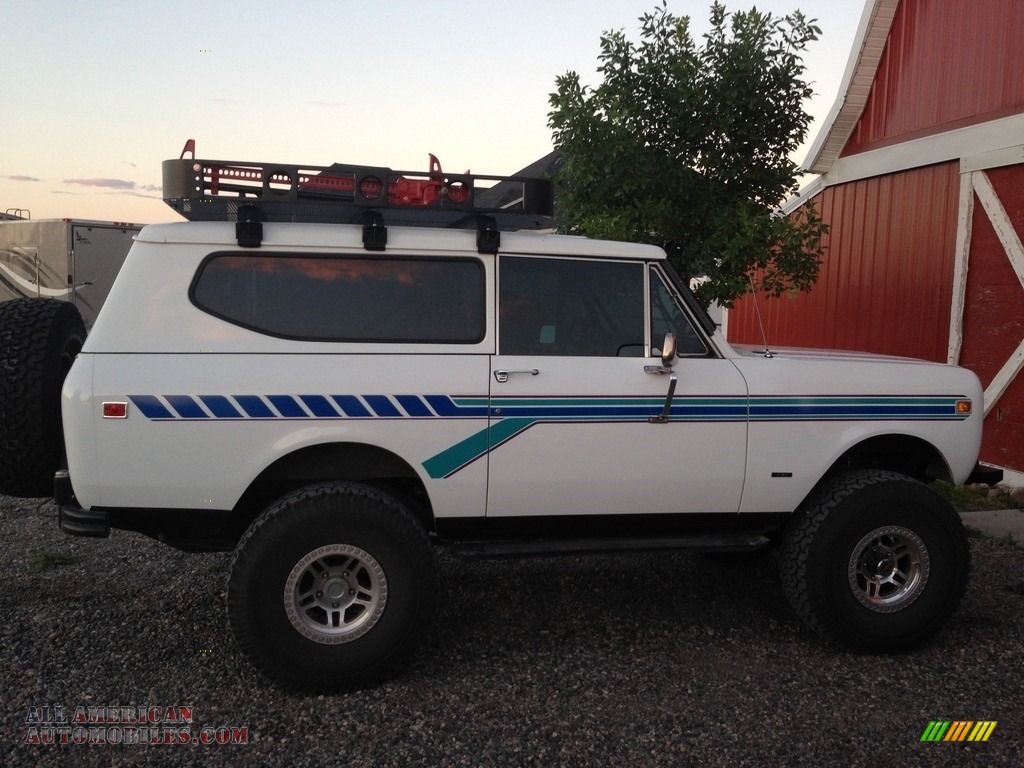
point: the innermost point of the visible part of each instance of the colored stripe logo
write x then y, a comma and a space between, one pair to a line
508, 417
958, 730
193, 407
402, 406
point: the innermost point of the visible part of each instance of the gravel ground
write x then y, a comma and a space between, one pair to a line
638, 660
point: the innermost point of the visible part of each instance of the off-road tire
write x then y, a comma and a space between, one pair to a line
374, 560
875, 561
39, 339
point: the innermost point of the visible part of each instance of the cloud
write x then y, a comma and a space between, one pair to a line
135, 194
325, 103
22, 178
112, 183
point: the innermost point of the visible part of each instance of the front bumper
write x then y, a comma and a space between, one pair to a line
73, 519
982, 473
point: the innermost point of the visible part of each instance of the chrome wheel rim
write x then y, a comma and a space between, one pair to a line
335, 594
888, 569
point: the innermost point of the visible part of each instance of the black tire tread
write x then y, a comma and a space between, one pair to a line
802, 531
33, 335
366, 500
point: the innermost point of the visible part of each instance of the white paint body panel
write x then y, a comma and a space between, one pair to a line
617, 467
717, 454
808, 448
209, 462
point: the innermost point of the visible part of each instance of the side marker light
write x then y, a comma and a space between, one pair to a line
115, 410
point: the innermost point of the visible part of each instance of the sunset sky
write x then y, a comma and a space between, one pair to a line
96, 95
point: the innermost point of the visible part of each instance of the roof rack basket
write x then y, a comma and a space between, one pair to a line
248, 192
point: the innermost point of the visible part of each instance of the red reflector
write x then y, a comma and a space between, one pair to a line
115, 410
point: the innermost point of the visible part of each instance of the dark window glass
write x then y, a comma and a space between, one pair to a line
332, 298
667, 315
571, 307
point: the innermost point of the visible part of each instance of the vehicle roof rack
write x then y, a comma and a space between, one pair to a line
250, 193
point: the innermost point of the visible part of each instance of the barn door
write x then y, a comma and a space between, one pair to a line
987, 321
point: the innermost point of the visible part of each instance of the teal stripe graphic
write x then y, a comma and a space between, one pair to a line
451, 460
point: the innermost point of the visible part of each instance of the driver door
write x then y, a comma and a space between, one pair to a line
573, 394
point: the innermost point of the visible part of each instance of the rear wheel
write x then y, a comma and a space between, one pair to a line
875, 561
332, 587
39, 340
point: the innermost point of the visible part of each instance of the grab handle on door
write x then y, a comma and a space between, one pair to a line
501, 375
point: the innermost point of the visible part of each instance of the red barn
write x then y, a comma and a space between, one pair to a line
921, 165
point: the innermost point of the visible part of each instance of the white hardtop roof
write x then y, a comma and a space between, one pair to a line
278, 236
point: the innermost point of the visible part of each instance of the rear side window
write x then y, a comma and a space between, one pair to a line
355, 299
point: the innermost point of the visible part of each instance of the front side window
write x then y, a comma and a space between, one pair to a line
668, 316
571, 307
341, 298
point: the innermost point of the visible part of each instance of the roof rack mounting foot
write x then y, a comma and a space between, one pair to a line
375, 234
249, 227
488, 238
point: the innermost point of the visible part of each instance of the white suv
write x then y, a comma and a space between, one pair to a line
332, 401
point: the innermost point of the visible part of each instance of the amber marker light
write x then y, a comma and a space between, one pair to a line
115, 410
963, 407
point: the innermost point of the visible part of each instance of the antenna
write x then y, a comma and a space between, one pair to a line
760, 322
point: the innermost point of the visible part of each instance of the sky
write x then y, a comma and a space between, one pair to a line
96, 95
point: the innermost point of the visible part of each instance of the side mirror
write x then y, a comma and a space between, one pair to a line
668, 350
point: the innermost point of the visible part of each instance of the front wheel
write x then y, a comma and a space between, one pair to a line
330, 588
875, 561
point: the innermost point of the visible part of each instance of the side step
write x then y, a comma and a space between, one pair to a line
546, 547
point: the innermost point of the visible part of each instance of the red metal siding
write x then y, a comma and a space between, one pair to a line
947, 63
1002, 442
887, 277
994, 318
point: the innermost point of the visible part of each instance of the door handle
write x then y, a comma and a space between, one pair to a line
501, 375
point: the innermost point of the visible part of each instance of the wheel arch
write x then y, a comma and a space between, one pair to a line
356, 462
906, 454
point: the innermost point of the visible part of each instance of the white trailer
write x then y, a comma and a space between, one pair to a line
72, 260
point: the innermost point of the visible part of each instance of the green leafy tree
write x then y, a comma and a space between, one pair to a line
691, 144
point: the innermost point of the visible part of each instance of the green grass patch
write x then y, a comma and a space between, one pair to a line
44, 560
966, 499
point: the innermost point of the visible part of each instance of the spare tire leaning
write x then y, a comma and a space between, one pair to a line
39, 339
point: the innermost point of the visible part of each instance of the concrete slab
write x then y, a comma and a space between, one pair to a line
997, 522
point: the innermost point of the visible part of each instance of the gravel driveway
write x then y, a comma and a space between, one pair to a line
637, 660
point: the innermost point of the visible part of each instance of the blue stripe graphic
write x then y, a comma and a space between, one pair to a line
381, 405
220, 407
413, 405
151, 407
254, 407
351, 406
287, 406
319, 406
186, 407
